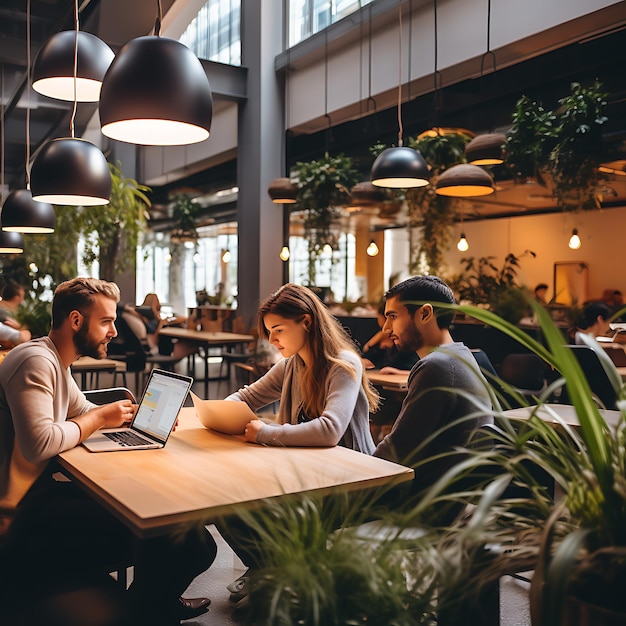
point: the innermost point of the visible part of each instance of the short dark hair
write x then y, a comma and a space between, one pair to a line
78, 294
425, 289
11, 289
590, 314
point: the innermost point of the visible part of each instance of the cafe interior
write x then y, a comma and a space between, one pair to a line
284, 94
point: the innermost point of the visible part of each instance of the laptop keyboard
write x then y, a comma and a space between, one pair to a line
127, 438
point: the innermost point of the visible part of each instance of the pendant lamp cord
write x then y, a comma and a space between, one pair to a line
400, 129
27, 94
369, 66
159, 19
436, 73
2, 138
73, 116
326, 115
488, 52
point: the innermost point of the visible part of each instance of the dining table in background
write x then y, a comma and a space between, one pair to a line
200, 475
390, 382
88, 365
206, 339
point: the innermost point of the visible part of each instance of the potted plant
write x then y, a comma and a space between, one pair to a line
323, 187
185, 211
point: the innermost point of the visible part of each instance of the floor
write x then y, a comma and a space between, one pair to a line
227, 566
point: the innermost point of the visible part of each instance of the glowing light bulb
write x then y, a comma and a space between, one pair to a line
327, 249
226, 256
574, 241
284, 254
462, 245
372, 249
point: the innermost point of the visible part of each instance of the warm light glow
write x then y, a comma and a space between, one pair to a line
62, 88
327, 249
226, 256
284, 254
155, 132
465, 191
372, 249
574, 241
462, 245
71, 200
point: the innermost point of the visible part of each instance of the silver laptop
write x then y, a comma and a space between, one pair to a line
154, 420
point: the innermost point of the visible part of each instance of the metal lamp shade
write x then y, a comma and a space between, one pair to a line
21, 214
71, 171
53, 70
486, 149
399, 168
366, 194
156, 93
464, 181
11, 243
282, 191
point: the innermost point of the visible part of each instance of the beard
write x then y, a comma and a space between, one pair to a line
85, 344
411, 341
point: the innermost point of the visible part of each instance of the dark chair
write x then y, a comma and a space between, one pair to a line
594, 369
111, 394
527, 374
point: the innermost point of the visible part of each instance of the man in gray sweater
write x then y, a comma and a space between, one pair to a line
444, 386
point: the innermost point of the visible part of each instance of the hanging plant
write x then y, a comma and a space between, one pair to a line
562, 148
184, 213
324, 187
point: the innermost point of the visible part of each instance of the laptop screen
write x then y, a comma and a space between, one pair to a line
162, 399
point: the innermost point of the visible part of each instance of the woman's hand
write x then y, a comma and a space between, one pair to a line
251, 430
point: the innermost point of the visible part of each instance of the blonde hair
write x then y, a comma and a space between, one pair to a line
326, 339
78, 294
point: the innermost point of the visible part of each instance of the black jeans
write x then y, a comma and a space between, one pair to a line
60, 535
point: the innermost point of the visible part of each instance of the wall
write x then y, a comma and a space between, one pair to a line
601, 233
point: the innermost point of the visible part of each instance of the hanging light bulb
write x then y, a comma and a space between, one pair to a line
226, 256
327, 249
372, 249
574, 240
284, 253
462, 245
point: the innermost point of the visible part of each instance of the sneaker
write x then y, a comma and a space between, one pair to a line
239, 588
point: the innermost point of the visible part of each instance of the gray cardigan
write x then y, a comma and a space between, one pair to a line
344, 421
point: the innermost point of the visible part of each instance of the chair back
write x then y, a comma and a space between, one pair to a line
527, 372
108, 395
596, 375
127, 345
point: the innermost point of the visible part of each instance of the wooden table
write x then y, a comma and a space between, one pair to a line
201, 474
206, 339
566, 412
392, 382
88, 365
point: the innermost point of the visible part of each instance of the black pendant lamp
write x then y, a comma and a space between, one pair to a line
71, 171
486, 149
21, 214
53, 70
11, 243
156, 93
464, 181
400, 167
283, 191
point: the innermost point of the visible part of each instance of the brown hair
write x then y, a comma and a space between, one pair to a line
326, 338
78, 294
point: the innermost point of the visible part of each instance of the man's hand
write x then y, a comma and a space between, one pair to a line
107, 416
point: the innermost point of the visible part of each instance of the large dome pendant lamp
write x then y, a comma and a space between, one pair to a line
156, 93
53, 70
464, 181
20, 213
400, 167
71, 171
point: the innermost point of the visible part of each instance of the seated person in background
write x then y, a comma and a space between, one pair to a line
445, 367
54, 531
541, 291
12, 298
11, 337
594, 321
614, 299
150, 314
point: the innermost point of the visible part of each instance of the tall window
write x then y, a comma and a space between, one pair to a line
215, 33
307, 17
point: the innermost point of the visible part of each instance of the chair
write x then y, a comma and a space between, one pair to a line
110, 394
594, 370
527, 374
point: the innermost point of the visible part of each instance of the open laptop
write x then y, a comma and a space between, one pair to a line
154, 420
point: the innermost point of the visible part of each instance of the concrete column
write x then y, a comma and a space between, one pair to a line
260, 157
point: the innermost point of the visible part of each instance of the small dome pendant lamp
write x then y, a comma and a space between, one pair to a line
400, 167
464, 181
156, 93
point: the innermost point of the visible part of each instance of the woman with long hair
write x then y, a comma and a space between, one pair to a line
325, 398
